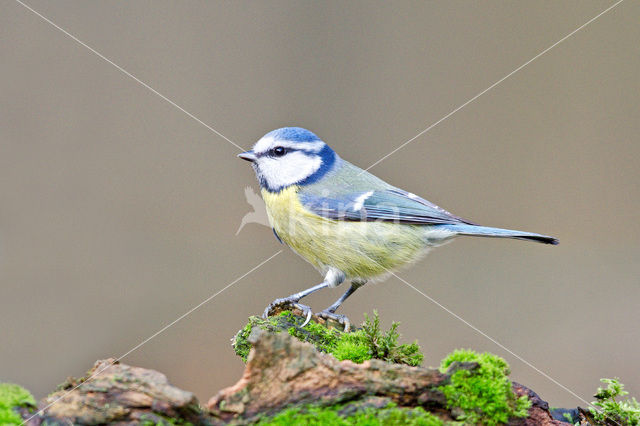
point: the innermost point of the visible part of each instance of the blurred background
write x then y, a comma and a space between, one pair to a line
119, 212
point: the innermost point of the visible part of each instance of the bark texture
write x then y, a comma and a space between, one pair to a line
281, 372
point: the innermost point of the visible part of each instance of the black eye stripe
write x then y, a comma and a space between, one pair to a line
286, 150
277, 151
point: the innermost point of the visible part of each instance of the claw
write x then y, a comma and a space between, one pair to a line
340, 319
306, 321
288, 303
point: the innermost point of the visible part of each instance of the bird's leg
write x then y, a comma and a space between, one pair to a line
330, 312
292, 301
332, 278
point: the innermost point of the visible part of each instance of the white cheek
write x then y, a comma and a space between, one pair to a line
288, 170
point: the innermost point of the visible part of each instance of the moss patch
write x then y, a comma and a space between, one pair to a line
358, 346
321, 337
12, 396
480, 388
370, 342
335, 416
477, 392
613, 409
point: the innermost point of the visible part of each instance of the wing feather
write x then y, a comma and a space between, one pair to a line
392, 205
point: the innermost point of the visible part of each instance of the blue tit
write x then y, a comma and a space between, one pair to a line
346, 222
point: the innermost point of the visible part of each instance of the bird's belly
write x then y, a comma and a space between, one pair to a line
359, 249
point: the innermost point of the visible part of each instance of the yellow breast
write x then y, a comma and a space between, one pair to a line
359, 249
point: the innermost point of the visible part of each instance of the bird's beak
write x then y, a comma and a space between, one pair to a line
248, 155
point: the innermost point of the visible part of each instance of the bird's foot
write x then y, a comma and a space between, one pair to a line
343, 320
288, 303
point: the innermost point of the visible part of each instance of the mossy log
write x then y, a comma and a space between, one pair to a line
290, 381
283, 372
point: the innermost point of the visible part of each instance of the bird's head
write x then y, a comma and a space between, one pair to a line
289, 156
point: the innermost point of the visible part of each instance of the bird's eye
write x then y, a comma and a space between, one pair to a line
279, 151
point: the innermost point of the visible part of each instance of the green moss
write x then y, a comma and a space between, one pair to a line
334, 416
358, 346
321, 337
482, 389
568, 417
352, 346
624, 412
240, 341
12, 396
370, 342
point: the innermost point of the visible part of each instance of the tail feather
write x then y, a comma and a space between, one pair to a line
485, 231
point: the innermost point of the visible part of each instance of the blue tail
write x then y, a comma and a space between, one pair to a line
485, 231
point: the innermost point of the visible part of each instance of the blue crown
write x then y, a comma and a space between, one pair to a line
294, 134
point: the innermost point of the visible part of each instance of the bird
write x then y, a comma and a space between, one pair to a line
348, 223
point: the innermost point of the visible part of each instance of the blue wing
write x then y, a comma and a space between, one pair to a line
392, 205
